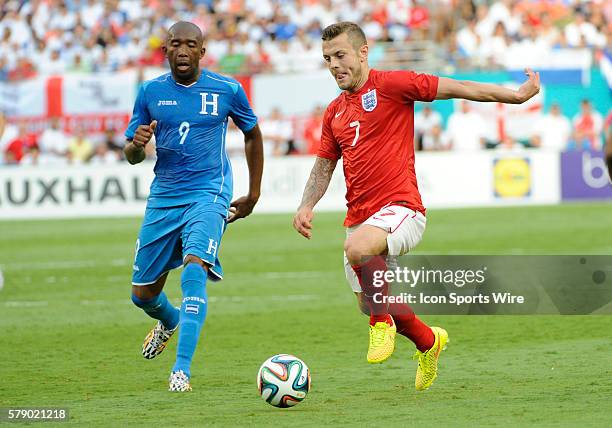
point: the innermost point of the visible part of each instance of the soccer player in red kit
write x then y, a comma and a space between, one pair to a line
371, 126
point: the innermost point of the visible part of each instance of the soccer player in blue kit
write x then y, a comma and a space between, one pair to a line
189, 205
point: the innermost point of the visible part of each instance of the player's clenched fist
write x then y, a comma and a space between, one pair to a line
302, 222
144, 133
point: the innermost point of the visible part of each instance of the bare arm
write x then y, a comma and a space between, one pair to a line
253, 149
475, 91
134, 153
134, 149
317, 185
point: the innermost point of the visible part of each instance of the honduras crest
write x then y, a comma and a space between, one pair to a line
368, 100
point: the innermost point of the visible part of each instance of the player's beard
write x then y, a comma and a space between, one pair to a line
356, 75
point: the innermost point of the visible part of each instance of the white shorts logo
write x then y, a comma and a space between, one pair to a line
212, 247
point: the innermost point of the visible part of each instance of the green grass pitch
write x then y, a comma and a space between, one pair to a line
71, 337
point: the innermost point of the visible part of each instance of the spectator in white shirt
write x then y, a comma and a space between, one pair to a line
468, 39
53, 141
278, 131
424, 122
103, 155
575, 31
553, 130
55, 64
436, 139
466, 129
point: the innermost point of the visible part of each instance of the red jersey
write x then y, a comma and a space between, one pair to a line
372, 130
19, 146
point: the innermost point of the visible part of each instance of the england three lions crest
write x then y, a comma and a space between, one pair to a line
369, 101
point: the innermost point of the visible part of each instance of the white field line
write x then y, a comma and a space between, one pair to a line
212, 299
80, 264
63, 264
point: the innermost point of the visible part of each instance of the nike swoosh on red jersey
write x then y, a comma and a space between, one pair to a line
338, 114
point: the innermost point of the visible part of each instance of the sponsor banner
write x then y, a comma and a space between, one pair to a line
454, 179
72, 96
91, 123
27, 98
584, 175
526, 176
445, 180
75, 191
512, 177
283, 184
99, 93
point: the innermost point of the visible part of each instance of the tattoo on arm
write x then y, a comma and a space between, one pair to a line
319, 179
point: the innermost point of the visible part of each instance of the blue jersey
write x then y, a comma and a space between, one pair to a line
192, 164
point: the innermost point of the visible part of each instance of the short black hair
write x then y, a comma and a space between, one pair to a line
355, 34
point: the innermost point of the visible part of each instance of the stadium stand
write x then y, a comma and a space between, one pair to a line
49, 37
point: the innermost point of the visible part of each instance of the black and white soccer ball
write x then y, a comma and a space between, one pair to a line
283, 380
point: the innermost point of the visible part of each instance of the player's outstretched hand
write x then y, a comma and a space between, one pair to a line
144, 133
302, 222
241, 208
530, 87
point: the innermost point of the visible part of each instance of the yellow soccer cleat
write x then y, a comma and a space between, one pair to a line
382, 342
428, 361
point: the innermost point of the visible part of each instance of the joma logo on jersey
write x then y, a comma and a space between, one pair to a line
369, 101
209, 102
166, 103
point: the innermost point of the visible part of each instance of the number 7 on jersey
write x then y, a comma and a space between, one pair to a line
355, 124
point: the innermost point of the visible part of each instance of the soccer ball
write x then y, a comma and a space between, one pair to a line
283, 380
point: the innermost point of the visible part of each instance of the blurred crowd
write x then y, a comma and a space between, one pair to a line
487, 33
253, 36
55, 146
552, 130
284, 136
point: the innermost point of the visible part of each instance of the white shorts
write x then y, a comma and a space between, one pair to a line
405, 229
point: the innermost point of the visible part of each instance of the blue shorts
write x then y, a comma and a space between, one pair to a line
168, 235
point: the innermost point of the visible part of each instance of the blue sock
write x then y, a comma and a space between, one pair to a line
193, 313
159, 308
